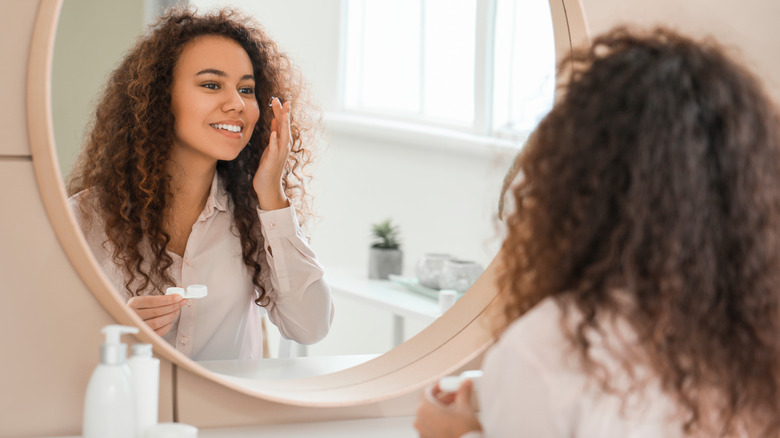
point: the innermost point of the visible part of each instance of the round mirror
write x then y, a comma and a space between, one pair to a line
429, 189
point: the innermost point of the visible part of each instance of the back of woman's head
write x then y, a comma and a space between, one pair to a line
652, 191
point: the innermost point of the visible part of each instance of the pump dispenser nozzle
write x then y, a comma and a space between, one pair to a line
112, 352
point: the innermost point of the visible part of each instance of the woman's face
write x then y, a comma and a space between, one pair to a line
213, 101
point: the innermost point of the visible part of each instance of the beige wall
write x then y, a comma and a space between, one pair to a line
49, 322
750, 27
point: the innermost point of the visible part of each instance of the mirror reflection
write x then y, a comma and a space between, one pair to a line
411, 136
190, 175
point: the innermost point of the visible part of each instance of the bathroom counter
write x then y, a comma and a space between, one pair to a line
285, 368
394, 427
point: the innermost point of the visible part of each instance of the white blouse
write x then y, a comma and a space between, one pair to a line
226, 324
533, 386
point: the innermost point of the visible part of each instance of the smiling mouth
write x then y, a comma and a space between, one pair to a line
229, 128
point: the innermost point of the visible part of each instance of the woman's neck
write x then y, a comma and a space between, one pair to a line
191, 177
190, 187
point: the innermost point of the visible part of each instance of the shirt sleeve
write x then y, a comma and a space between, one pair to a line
514, 395
300, 300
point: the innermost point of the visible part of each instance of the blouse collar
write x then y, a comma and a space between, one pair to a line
217, 199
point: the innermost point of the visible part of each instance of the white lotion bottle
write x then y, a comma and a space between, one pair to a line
109, 408
145, 371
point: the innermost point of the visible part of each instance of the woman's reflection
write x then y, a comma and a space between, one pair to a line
186, 177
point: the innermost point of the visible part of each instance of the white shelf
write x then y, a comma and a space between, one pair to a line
383, 294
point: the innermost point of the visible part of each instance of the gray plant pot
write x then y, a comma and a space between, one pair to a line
383, 262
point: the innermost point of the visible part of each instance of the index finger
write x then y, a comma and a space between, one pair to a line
284, 126
152, 301
277, 108
280, 108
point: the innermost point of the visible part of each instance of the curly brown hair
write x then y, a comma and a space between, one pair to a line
651, 192
123, 162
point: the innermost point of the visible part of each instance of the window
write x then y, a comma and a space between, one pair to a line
524, 65
412, 58
484, 67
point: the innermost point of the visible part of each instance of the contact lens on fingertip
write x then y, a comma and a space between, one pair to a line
271, 102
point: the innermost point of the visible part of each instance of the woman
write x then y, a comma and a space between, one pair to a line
186, 178
641, 270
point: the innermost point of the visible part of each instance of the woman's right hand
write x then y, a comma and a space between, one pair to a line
158, 311
446, 414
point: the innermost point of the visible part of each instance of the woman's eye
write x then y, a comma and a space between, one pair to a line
211, 86
247, 90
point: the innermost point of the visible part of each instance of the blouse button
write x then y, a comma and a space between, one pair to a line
184, 340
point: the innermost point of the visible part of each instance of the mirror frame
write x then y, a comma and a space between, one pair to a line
455, 339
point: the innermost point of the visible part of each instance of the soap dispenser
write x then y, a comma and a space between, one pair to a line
109, 409
145, 372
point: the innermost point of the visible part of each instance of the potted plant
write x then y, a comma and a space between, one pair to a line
385, 255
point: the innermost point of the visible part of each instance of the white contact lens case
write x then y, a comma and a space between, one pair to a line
193, 291
452, 383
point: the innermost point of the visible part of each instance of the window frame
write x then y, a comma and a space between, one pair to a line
402, 127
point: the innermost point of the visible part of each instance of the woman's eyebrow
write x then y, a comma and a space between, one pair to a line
221, 73
211, 71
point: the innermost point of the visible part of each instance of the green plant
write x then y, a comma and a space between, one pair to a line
385, 235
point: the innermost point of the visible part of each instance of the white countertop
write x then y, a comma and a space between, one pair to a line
393, 427
285, 368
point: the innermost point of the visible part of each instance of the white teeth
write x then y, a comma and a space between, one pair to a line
231, 128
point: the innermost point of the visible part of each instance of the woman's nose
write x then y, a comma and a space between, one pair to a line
233, 102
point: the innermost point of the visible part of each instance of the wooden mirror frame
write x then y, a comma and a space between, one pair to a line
456, 338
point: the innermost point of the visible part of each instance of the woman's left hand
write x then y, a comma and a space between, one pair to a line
446, 415
268, 178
